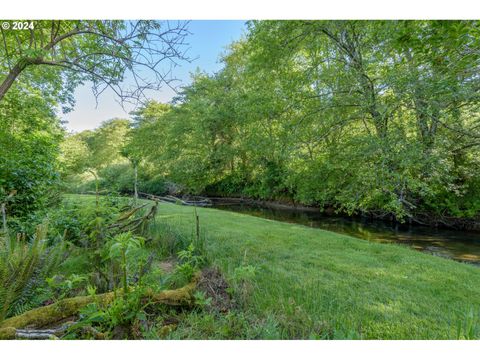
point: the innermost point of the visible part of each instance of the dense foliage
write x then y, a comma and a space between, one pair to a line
108, 156
52, 251
29, 146
376, 117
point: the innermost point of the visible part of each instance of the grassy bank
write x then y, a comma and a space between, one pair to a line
309, 283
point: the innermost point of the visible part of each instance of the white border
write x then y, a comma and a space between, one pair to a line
241, 350
244, 9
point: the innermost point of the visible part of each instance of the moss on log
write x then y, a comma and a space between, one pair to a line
177, 297
63, 309
8, 333
56, 312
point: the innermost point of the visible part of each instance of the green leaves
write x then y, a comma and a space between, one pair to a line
24, 266
58, 55
362, 116
65, 287
120, 249
29, 137
124, 243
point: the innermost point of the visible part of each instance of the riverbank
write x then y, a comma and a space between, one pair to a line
459, 245
310, 283
429, 220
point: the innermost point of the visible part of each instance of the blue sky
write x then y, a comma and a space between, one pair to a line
207, 42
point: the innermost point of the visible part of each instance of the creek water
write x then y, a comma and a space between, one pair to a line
459, 245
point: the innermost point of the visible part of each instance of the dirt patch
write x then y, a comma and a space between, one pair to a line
214, 285
167, 266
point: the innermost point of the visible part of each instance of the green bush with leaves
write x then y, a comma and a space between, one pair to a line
117, 177
30, 134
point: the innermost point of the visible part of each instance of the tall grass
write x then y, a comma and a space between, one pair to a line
168, 238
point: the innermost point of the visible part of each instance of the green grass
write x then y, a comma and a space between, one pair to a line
311, 283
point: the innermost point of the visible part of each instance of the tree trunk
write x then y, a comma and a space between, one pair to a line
135, 185
12, 75
4, 217
124, 272
426, 117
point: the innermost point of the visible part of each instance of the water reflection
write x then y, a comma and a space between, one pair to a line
459, 245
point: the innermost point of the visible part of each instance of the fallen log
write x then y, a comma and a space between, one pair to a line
130, 213
177, 297
176, 200
196, 201
66, 308
124, 223
45, 315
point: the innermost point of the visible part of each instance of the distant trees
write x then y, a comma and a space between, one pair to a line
94, 150
366, 116
113, 156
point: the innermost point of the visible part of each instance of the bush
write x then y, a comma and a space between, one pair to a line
155, 186
117, 177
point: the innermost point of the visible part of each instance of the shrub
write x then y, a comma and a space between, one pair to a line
117, 177
155, 185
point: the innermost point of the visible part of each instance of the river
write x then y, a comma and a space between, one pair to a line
462, 246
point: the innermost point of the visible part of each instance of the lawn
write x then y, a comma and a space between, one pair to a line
310, 283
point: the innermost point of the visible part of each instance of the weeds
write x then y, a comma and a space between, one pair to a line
242, 280
118, 320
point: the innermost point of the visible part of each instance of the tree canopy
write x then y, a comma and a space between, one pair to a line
58, 55
375, 117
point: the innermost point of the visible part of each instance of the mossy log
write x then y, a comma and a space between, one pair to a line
177, 297
66, 308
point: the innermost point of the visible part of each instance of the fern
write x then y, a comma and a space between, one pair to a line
23, 267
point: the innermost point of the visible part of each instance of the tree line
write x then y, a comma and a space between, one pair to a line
372, 117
